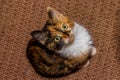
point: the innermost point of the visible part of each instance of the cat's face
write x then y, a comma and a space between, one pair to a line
57, 31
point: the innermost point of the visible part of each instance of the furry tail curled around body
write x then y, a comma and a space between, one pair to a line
50, 65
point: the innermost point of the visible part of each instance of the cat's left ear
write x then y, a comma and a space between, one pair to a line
37, 34
54, 14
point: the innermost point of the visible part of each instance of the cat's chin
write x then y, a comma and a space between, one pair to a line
71, 38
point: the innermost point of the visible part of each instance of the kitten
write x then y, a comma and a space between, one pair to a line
61, 47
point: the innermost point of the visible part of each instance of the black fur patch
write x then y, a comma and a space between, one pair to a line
60, 45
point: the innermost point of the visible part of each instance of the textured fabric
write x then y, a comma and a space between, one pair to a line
19, 17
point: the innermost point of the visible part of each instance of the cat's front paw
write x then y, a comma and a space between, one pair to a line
93, 51
88, 62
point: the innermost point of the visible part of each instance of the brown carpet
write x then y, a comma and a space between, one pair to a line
19, 17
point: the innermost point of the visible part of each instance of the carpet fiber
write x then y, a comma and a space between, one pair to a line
19, 17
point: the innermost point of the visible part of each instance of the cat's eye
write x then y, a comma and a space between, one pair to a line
57, 39
64, 27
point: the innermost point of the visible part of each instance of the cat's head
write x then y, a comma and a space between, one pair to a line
57, 31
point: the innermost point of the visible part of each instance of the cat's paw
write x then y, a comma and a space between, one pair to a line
93, 51
88, 62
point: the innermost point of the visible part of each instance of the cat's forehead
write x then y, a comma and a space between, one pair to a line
64, 20
54, 32
67, 21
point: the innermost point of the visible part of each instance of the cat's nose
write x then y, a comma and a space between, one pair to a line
69, 32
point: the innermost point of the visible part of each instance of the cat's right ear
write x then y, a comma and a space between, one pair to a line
54, 14
37, 34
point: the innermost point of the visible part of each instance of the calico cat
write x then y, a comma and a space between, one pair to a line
61, 47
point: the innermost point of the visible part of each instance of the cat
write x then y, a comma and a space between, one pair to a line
61, 47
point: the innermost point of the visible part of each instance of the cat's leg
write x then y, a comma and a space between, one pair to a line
93, 51
87, 63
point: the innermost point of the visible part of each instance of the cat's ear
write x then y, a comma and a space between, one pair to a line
38, 35
54, 14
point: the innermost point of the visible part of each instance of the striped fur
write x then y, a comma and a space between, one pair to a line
61, 47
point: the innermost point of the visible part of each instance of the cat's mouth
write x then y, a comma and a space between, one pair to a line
71, 37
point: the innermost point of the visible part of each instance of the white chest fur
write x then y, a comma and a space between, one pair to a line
82, 42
